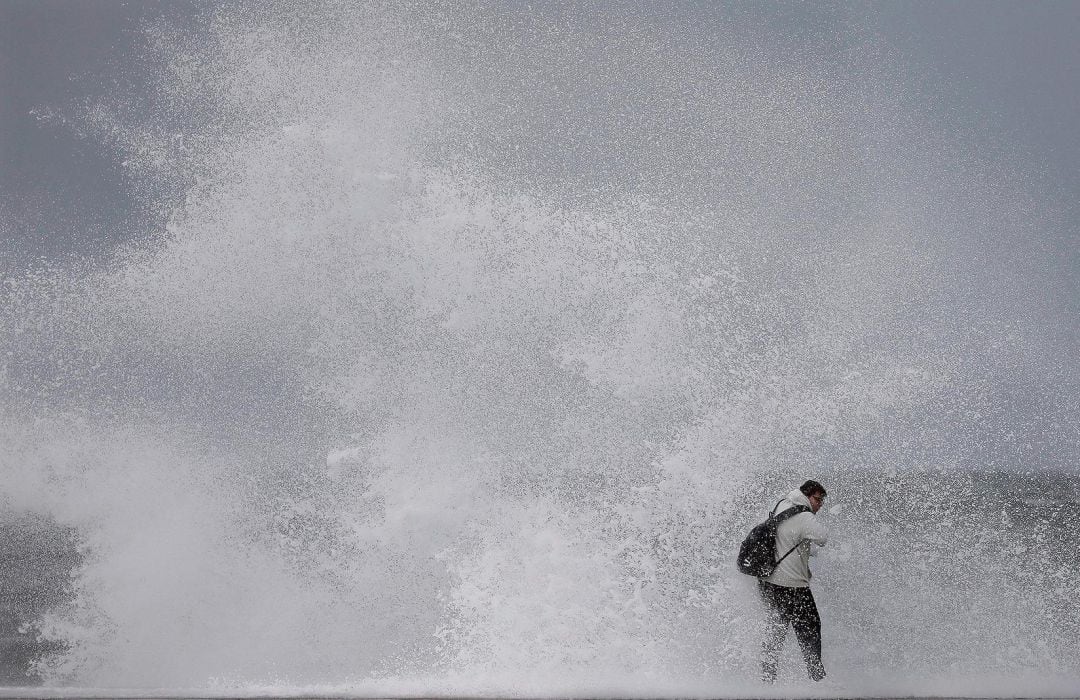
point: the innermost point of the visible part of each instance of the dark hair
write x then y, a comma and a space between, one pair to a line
811, 488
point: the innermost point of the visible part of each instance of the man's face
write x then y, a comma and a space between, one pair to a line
815, 502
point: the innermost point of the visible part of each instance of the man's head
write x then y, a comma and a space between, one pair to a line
815, 492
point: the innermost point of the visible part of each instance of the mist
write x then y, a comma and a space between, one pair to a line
462, 343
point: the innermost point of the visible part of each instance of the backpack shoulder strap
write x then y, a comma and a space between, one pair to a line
788, 513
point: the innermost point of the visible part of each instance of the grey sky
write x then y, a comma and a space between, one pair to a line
1008, 69
61, 194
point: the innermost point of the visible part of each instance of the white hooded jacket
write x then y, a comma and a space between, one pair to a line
803, 530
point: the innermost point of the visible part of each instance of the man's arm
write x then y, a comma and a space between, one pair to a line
813, 530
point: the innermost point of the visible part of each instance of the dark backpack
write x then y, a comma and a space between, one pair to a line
757, 554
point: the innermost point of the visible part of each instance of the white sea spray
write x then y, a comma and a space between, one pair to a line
482, 335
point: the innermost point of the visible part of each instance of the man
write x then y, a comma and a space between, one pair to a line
786, 592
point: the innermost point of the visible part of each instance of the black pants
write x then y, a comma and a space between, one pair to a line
790, 606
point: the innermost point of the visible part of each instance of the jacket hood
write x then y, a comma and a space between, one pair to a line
798, 498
